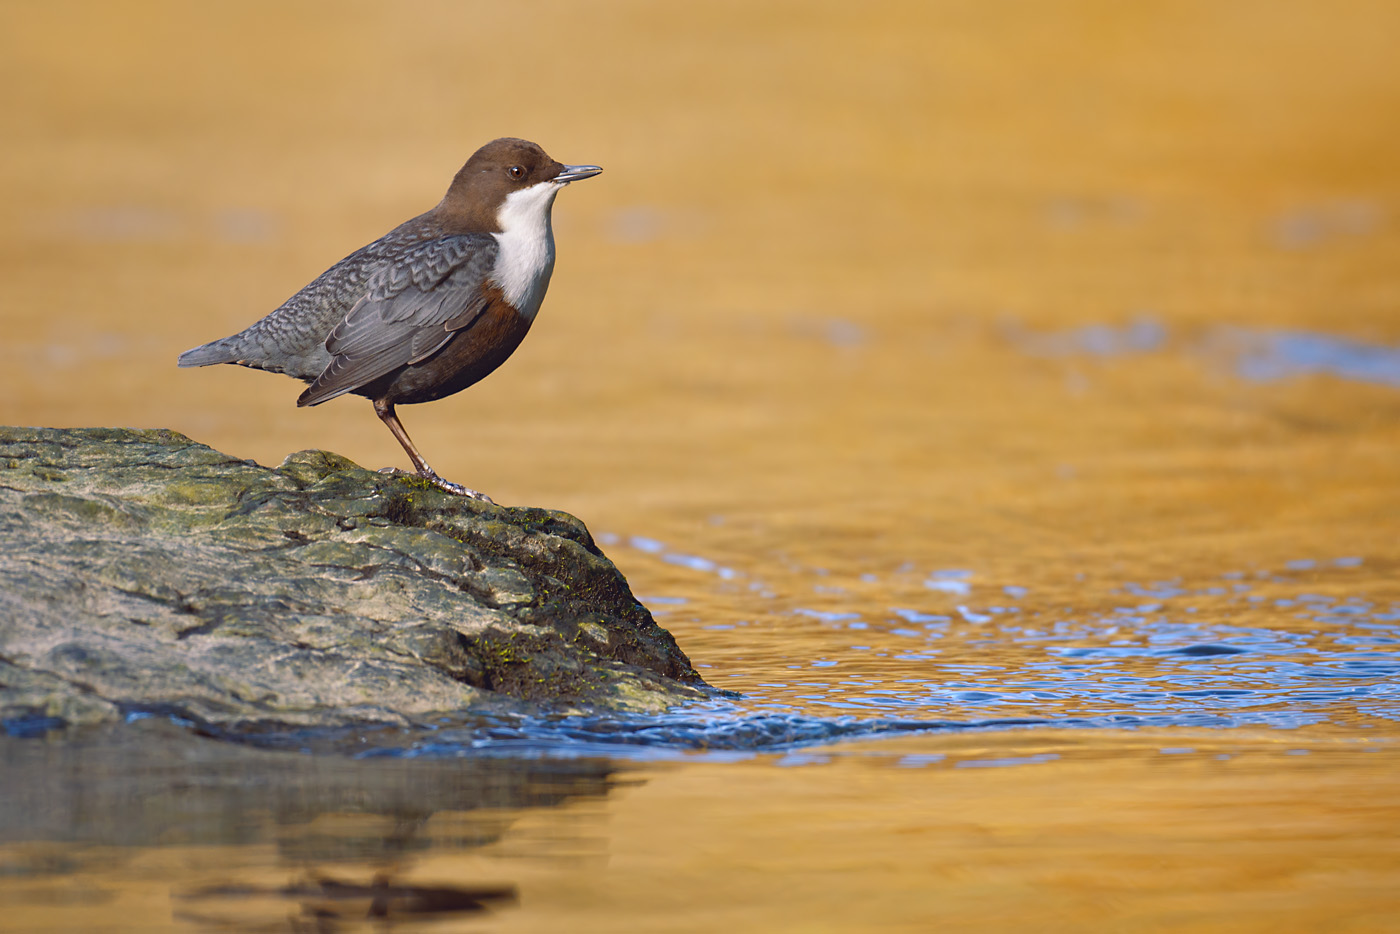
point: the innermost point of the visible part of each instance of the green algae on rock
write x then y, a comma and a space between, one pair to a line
144, 571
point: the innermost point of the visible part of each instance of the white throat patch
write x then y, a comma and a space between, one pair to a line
526, 259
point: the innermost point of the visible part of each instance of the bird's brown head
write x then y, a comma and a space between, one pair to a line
498, 169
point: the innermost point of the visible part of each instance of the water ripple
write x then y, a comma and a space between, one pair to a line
1256, 354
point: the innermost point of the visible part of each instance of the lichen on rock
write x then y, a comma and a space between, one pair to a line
144, 571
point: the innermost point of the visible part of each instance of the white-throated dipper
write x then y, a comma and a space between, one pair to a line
428, 309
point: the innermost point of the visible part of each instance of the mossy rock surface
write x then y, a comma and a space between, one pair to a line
142, 571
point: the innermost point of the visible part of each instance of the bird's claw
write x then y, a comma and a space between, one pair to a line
447, 486
458, 490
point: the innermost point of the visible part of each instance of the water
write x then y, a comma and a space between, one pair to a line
150, 829
999, 407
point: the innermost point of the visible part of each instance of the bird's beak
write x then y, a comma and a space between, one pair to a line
572, 173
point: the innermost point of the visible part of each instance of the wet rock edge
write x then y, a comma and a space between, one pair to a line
144, 573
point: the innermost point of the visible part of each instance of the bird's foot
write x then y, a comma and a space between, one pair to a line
447, 486
457, 489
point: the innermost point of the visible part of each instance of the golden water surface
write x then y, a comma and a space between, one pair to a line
938, 361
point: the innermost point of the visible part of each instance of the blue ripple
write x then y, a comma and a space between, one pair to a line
1284, 354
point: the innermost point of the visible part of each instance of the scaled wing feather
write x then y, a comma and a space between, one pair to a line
410, 310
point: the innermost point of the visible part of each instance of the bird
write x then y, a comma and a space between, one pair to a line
430, 308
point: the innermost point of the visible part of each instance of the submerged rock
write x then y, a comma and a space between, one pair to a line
143, 572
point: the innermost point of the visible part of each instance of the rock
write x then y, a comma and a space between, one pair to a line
143, 572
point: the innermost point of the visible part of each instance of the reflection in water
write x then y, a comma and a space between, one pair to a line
1316, 225
151, 782
332, 905
1252, 353
1284, 648
351, 834
1286, 354
781, 842
1142, 335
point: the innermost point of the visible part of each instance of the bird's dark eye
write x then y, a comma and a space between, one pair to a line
516, 172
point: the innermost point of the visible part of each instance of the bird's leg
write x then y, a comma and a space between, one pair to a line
388, 416
385, 411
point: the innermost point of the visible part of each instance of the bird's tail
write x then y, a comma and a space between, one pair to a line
219, 351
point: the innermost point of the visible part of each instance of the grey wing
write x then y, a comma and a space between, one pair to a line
411, 308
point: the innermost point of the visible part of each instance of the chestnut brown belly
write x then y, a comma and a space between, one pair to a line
472, 354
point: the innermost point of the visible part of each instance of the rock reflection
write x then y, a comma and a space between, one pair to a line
150, 782
332, 905
361, 840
